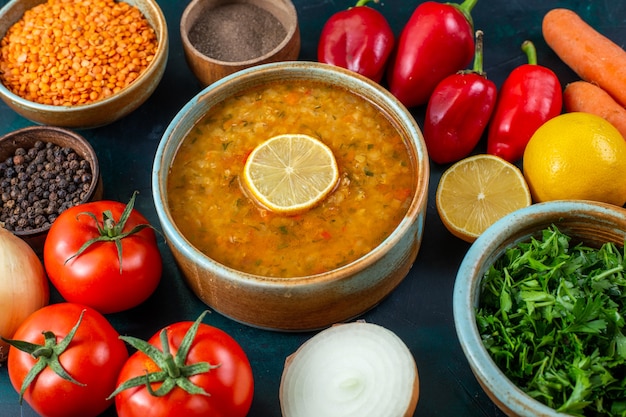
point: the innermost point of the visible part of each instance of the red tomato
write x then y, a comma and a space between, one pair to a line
93, 358
93, 277
230, 385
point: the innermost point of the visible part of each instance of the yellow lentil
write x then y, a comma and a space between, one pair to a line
74, 52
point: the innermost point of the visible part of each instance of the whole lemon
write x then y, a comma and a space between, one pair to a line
576, 156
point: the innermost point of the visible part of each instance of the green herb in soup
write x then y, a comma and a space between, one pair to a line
376, 186
551, 316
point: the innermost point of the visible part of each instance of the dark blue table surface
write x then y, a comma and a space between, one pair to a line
420, 310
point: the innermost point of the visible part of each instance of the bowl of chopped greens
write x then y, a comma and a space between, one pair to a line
539, 305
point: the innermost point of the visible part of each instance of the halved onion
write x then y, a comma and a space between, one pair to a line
23, 285
356, 369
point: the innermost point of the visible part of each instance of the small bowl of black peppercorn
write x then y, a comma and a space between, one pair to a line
221, 37
44, 170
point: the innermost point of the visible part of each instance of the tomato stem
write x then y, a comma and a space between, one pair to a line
174, 370
45, 350
110, 230
47, 355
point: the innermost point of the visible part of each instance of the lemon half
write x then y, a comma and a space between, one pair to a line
290, 173
477, 191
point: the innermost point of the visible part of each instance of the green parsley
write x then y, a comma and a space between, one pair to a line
551, 315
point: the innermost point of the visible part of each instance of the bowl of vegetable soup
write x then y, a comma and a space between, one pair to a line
539, 306
233, 164
78, 64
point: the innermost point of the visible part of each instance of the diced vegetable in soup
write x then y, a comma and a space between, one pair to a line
212, 210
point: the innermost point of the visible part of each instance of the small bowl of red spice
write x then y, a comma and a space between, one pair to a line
80, 64
221, 37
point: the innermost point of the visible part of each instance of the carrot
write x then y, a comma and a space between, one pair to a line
589, 98
591, 55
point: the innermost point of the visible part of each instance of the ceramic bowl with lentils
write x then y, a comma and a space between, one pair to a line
95, 62
44, 170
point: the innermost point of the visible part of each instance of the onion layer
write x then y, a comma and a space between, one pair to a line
356, 369
24, 286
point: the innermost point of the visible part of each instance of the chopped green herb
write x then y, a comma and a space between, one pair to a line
551, 316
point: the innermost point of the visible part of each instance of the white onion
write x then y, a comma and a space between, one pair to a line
355, 369
24, 286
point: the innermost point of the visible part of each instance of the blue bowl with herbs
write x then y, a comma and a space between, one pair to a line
539, 305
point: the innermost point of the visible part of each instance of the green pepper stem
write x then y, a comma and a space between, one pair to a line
531, 52
468, 5
466, 9
478, 54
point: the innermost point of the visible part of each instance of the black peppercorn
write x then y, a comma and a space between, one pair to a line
40, 182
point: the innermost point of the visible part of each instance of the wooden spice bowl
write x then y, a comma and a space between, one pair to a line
103, 111
209, 69
26, 138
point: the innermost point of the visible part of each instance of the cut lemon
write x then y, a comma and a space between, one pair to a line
476, 191
290, 173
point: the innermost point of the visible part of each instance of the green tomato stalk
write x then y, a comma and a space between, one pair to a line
174, 372
47, 355
112, 230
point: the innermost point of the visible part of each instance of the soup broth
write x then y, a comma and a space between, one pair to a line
211, 209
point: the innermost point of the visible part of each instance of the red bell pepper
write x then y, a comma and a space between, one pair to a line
529, 96
437, 41
459, 110
359, 39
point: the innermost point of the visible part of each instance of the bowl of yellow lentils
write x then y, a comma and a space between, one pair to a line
80, 63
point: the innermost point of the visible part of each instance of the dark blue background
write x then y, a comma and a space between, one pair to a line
420, 310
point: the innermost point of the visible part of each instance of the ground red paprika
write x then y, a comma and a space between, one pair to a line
437, 41
459, 110
529, 97
359, 39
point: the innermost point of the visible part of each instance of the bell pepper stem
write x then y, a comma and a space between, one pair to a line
478, 54
364, 2
466, 9
467, 5
531, 52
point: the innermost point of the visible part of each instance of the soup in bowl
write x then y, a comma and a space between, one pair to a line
268, 266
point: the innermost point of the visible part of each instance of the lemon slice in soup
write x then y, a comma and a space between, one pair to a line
290, 173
